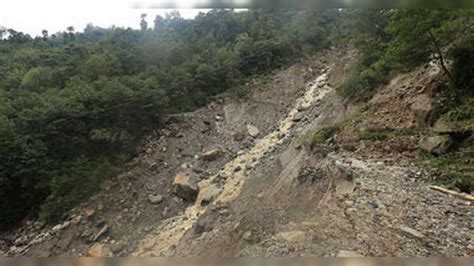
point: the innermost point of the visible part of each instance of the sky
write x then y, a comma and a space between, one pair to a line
32, 16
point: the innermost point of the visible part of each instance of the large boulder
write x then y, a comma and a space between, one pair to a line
438, 144
253, 131
445, 127
211, 155
184, 187
422, 105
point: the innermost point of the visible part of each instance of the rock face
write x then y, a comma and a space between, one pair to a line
211, 155
435, 144
253, 131
184, 187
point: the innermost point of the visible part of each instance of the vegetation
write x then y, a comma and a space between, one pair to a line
394, 41
75, 105
320, 135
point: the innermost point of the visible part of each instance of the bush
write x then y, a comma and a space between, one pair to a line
320, 135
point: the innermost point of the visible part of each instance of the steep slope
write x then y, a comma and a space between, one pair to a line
260, 192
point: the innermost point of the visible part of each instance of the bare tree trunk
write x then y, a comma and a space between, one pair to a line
441, 58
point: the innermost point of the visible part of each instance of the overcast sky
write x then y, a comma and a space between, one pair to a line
32, 16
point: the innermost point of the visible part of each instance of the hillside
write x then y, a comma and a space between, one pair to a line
359, 149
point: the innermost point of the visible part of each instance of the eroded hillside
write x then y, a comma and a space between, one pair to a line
249, 177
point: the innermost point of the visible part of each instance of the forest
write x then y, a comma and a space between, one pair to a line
75, 105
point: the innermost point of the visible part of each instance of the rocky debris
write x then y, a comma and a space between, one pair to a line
155, 198
184, 187
438, 144
210, 193
99, 250
253, 131
348, 254
411, 232
211, 155
238, 136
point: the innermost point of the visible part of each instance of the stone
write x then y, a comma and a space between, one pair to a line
184, 187
117, 247
247, 236
302, 107
237, 168
253, 131
435, 144
101, 232
348, 254
238, 136
411, 231
99, 250
164, 213
89, 212
210, 193
155, 198
211, 155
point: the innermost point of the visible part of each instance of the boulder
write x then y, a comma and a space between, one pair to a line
253, 131
211, 155
184, 187
422, 105
435, 144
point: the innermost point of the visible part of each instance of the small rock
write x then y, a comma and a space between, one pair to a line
237, 168
253, 131
411, 231
184, 187
247, 236
155, 198
99, 250
292, 236
211, 155
210, 193
298, 117
89, 212
117, 247
238, 136
164, 213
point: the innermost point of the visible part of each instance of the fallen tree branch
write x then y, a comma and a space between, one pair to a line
453, 193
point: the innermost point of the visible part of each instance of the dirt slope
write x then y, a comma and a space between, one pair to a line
269, 195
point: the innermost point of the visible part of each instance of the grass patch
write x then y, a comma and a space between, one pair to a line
448, 171
320, 135
372, 136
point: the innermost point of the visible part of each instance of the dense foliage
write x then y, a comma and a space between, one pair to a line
74, 105
394, 41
